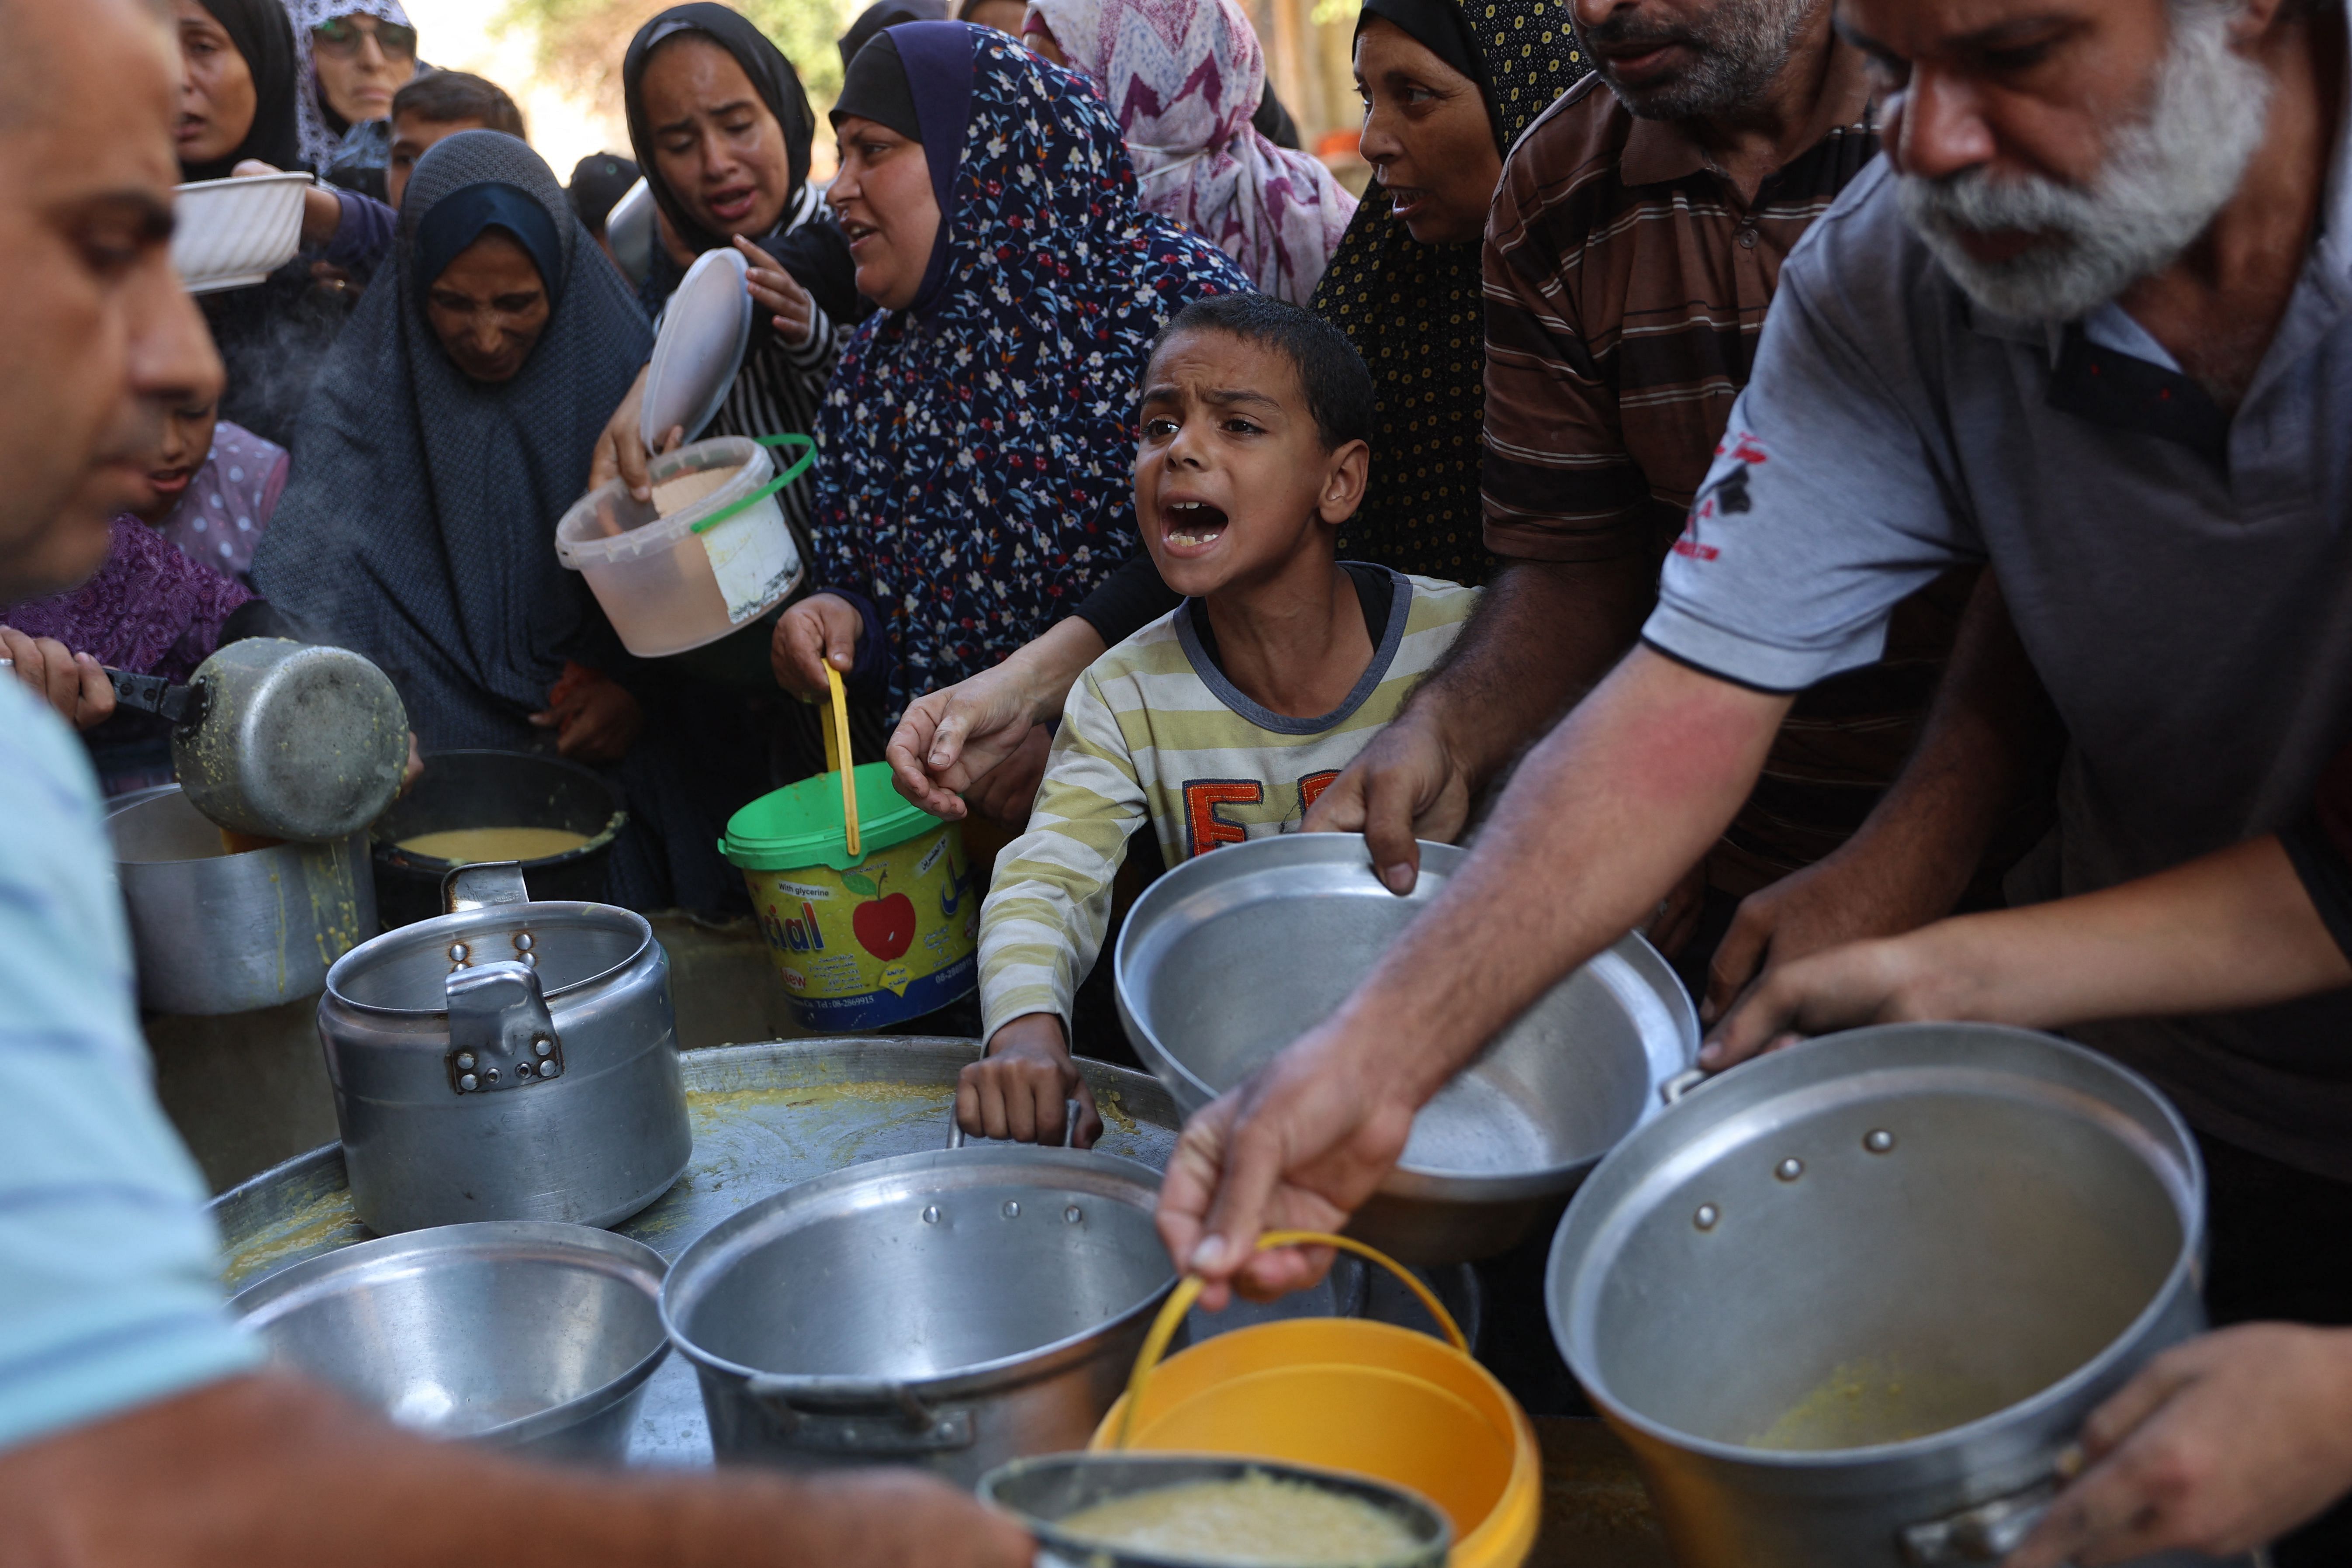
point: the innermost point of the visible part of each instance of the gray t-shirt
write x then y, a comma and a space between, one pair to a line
2182, 579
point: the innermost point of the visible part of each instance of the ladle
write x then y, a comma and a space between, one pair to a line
281, 739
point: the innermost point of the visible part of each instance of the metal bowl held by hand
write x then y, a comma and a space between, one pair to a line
1041, 1493
509, 1060
952, 1310
1233, 955
520, 1334
1850, 1303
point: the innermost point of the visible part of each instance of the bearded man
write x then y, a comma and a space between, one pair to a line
2089, 322
1636, 243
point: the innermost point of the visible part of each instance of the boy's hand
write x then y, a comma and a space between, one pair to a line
821, 630
1020, 1089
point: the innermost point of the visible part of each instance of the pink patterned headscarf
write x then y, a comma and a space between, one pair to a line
1183, 78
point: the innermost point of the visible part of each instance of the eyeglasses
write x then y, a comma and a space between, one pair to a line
339, 38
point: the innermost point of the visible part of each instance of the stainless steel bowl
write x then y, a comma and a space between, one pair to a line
519, 1333
952, 1310
1231, 956
1043, 1492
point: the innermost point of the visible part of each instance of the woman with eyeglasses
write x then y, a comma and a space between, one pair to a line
353, 54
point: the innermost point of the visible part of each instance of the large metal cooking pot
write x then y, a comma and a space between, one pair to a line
519, 1334
1230, 956
217, 932
508, 1060
952, 1310
1849, 1303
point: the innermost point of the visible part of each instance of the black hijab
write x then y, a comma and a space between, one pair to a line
266, 38
772, 78
886, 13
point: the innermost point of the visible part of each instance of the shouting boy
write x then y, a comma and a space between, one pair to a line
1224, 720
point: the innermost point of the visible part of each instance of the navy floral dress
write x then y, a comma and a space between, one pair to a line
976, 451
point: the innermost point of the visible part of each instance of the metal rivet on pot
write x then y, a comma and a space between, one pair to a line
549, 1069
492, 1075
523, 1069
931, 1215
1071, 1215
468, 1083
459, 952
465, 1061
1011, 1208
1789, 1169
542, 1046
1878, 1140
522, 942
1706, 1217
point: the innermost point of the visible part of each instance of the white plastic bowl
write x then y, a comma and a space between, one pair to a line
666, 588
232, 234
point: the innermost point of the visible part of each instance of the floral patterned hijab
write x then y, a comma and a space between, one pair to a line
321, 127
976, 450
1183, 77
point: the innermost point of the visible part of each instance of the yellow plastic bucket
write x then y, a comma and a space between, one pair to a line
868, 940
1345, 1395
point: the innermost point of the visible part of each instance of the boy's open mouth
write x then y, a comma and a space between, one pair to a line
1191, 524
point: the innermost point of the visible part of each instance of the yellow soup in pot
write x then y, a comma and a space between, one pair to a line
1255, 1521
472, 845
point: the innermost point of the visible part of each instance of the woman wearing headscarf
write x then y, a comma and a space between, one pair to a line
973, 476
444, 442
723, 133
350, 57
1405, 286
236, 101
1185, 79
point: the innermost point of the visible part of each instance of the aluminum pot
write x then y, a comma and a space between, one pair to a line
1230, 956
484, 788
519, 1334
508, 1060
1043, 1492
217, 932
1850, 1303
952, 1310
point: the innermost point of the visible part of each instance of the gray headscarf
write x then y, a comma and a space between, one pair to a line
419, 525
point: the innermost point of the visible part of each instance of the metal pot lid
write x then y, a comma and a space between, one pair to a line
2011, 1208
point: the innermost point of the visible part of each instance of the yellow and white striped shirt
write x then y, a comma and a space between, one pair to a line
1154, 728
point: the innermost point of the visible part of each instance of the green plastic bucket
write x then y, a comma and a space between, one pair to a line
862, 943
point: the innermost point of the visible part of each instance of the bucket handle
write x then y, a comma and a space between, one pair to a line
806, 461
1187, 1290
837, 759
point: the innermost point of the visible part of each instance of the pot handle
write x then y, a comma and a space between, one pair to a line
1187, 1290
858, 1416
1984, 1533
955, 1127
1681, 1084
481, 884
500, 1033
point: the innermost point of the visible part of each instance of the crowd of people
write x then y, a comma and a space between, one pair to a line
1845, 490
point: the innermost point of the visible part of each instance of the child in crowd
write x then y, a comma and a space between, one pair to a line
1224, 720
211, 488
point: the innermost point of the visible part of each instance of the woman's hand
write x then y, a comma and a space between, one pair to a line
75, 684
951, 739
821, 629
790, 309
621, 450
595, 718
2218, 1446
1021, 1088
322, 214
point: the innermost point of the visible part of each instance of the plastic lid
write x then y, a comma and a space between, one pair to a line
704, 331
799, 825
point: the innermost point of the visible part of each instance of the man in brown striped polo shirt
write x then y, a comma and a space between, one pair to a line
1632, 251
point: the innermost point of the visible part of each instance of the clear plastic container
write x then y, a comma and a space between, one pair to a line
674, 583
